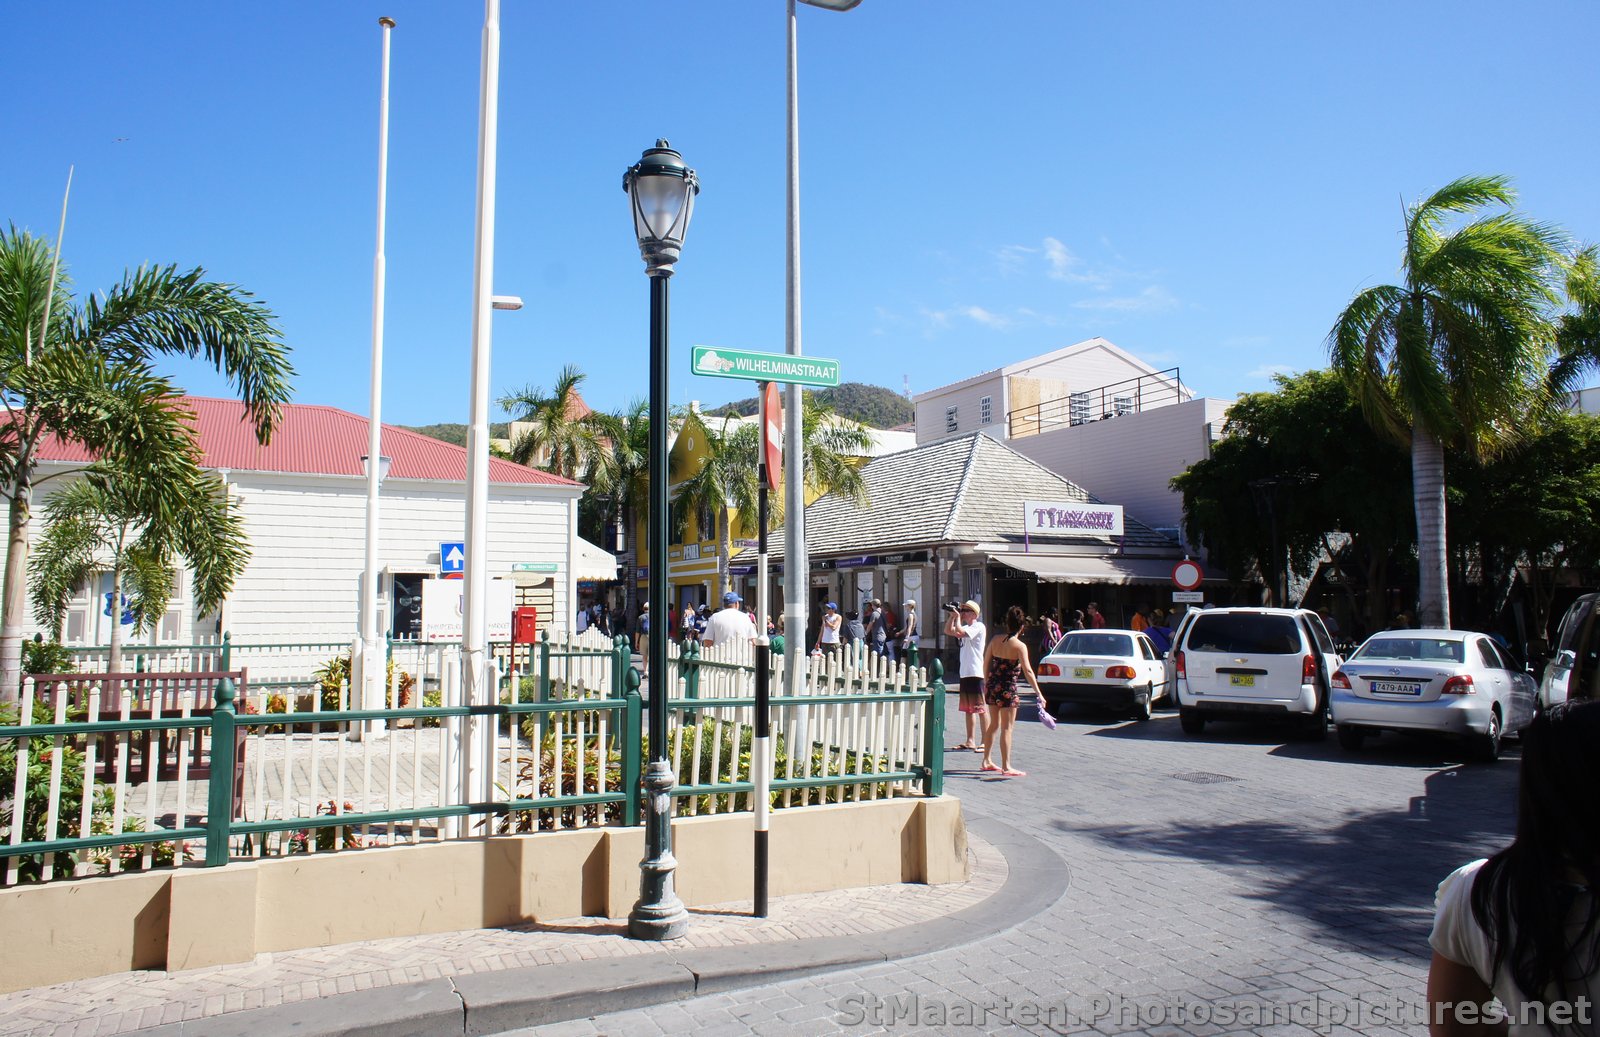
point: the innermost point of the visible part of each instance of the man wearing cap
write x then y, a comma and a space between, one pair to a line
730, 624
965, 625
828, 637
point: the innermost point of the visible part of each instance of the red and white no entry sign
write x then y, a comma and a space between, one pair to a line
1187, 575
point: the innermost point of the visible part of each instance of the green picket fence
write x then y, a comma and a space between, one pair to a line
104, 774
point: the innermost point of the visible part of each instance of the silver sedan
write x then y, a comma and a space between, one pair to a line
1449, 682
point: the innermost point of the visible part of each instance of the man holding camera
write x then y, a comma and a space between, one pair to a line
961, 621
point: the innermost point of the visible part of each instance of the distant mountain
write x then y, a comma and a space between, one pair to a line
871, 405
453, 432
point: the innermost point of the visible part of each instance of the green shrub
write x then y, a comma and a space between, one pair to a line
45, 657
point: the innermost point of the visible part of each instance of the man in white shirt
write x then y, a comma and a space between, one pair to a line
730, 624
964, 623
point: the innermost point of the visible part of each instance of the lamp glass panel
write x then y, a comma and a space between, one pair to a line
658, 202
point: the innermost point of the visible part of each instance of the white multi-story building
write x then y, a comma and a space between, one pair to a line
1094, 414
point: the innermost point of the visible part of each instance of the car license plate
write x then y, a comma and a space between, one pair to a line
1083, 673
1396, 688
1242, 680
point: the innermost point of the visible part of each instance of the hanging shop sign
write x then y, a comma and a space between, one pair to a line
1071, 518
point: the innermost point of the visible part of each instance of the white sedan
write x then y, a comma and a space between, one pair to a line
1448, 682
1117, 668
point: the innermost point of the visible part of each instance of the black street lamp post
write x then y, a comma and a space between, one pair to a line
661, 189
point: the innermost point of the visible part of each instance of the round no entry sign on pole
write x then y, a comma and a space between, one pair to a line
1186, 575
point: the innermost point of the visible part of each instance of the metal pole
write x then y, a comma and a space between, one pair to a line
761, 747
659, 914
372, 673
796, 565
475, 627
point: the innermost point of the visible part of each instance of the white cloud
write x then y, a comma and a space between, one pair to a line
1266, 372
1064, 266
984, 317
1150, 299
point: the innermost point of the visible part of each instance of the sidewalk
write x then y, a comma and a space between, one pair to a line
494, 980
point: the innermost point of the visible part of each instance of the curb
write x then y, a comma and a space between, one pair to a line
497, 1002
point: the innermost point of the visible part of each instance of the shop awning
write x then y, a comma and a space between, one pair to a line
593, 563
1067, 569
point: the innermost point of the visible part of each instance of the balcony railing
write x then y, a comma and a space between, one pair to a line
1129, 396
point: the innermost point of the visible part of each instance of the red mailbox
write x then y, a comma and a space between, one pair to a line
525, 625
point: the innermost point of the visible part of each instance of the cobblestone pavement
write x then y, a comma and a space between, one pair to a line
1232, 883
134, 1000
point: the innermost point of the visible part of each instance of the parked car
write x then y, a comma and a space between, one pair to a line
1574, 670
1448, 682
1105, 667
1170, 664
1254, 662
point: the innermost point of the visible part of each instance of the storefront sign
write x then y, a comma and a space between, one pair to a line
443, 608
535, 567
1194, 597
906, 558
1071, 518
859, 562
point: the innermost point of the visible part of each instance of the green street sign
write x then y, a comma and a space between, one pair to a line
752, 366
534, 567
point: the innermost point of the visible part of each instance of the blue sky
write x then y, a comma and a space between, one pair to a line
1204, 184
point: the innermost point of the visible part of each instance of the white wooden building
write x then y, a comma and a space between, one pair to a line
304, 502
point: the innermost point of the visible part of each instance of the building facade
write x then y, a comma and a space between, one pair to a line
303, 499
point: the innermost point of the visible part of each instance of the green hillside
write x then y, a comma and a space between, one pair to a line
871, 405
455, 432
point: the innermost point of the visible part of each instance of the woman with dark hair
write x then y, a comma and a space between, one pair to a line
1005, 659
1524, 925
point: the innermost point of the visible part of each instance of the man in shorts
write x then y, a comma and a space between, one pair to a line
965, 625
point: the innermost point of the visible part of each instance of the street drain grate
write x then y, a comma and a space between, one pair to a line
1204, 777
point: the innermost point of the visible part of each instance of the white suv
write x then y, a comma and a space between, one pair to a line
1255, 662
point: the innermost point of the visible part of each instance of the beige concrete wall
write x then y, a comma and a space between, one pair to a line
72, 930
196, 917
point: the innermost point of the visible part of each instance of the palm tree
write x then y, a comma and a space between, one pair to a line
564, 430
1456, 356
621, 473
84, 376
102, 520
831, 448
1578, 331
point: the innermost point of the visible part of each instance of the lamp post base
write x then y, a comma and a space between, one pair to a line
659, 914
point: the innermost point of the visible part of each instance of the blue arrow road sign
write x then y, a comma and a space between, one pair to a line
453, 557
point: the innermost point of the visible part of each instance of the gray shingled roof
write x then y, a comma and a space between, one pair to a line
964, 490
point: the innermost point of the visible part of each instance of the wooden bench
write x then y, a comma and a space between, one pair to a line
150, 696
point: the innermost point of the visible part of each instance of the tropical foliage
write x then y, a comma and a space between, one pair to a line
100, 523
726, 482
564, 436
1455, 356
82, 372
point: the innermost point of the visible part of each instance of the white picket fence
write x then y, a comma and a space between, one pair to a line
133, 781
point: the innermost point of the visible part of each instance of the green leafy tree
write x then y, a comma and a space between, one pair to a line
1533, 510
102, 521
564, 432
81, 372
1578, 330
1342, 476
619, 481
1455, 356
831, 449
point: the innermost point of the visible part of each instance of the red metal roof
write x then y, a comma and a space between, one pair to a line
320, 440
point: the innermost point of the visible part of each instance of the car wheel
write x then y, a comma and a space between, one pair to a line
1191, 722
1314, 728
1350, 737
1488, 745
1141, 707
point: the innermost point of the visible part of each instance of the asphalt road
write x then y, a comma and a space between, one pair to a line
1231, 883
